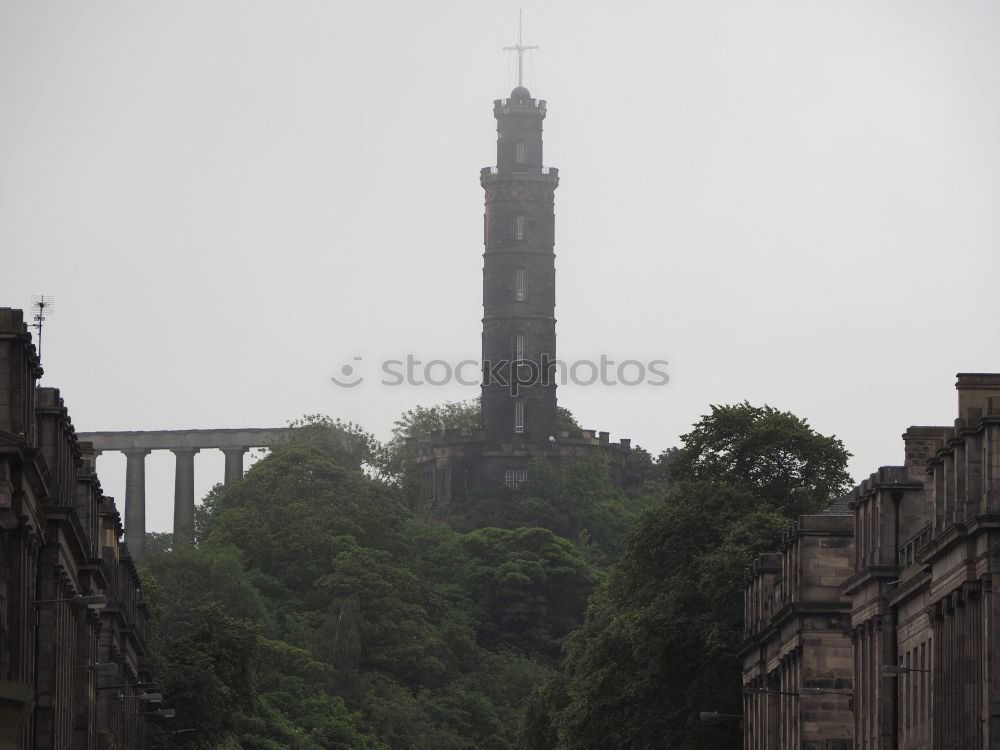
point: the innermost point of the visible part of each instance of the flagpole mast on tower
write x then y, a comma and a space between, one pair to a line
520, 48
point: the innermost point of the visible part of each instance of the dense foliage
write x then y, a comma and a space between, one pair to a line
319, 610
660, 638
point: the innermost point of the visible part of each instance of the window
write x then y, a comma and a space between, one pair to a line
519, 416
519, 152
519, 346
515, 478
907, 686
922, 710
929, 676
519, 227
519, 285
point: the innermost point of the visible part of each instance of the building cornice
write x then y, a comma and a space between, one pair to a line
76, 538
954, 535
909, 587
867, 575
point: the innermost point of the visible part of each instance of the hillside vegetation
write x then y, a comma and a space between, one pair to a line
319, 610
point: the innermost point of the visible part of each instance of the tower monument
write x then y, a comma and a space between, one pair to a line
519, 325
518, 418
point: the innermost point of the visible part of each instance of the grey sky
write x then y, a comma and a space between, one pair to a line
792, 202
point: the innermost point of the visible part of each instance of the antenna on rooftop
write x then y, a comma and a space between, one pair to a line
42, 306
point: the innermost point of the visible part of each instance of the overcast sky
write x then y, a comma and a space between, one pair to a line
792, 202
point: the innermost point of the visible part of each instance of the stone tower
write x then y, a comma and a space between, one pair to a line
519, 322
519, 334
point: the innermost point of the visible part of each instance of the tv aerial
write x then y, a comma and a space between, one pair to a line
42, 307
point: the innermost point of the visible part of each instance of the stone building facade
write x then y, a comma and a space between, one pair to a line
796, 652
924, 620
518, 425
60, 654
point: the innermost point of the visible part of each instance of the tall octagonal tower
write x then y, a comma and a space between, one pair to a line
519, 335
519, 278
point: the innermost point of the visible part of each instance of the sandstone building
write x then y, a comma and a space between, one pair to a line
924, 621
796, 651
72, 618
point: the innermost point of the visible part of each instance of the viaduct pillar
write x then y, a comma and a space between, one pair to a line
234, 464
184, 496
135, 500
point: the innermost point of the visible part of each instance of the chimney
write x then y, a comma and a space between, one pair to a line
920, 443
978, 395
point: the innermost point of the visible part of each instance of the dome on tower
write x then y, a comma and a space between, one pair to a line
521, 94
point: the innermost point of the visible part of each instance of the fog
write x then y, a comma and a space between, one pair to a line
791, 202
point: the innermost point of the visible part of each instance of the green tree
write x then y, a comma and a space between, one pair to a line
318, 611
424, 423
774, 453
659, 641
577, 501
565, 421
206, 671
228, 682
345, 442
531, 587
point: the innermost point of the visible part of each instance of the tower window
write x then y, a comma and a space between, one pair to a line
519, 416
519, 346
519, 152
515, 478
519, 285
519, 227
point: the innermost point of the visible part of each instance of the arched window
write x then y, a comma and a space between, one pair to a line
518, 416
519, 346
519, 152
519, 227
519, 285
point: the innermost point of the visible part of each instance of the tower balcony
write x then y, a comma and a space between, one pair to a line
518, 106
490, 175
